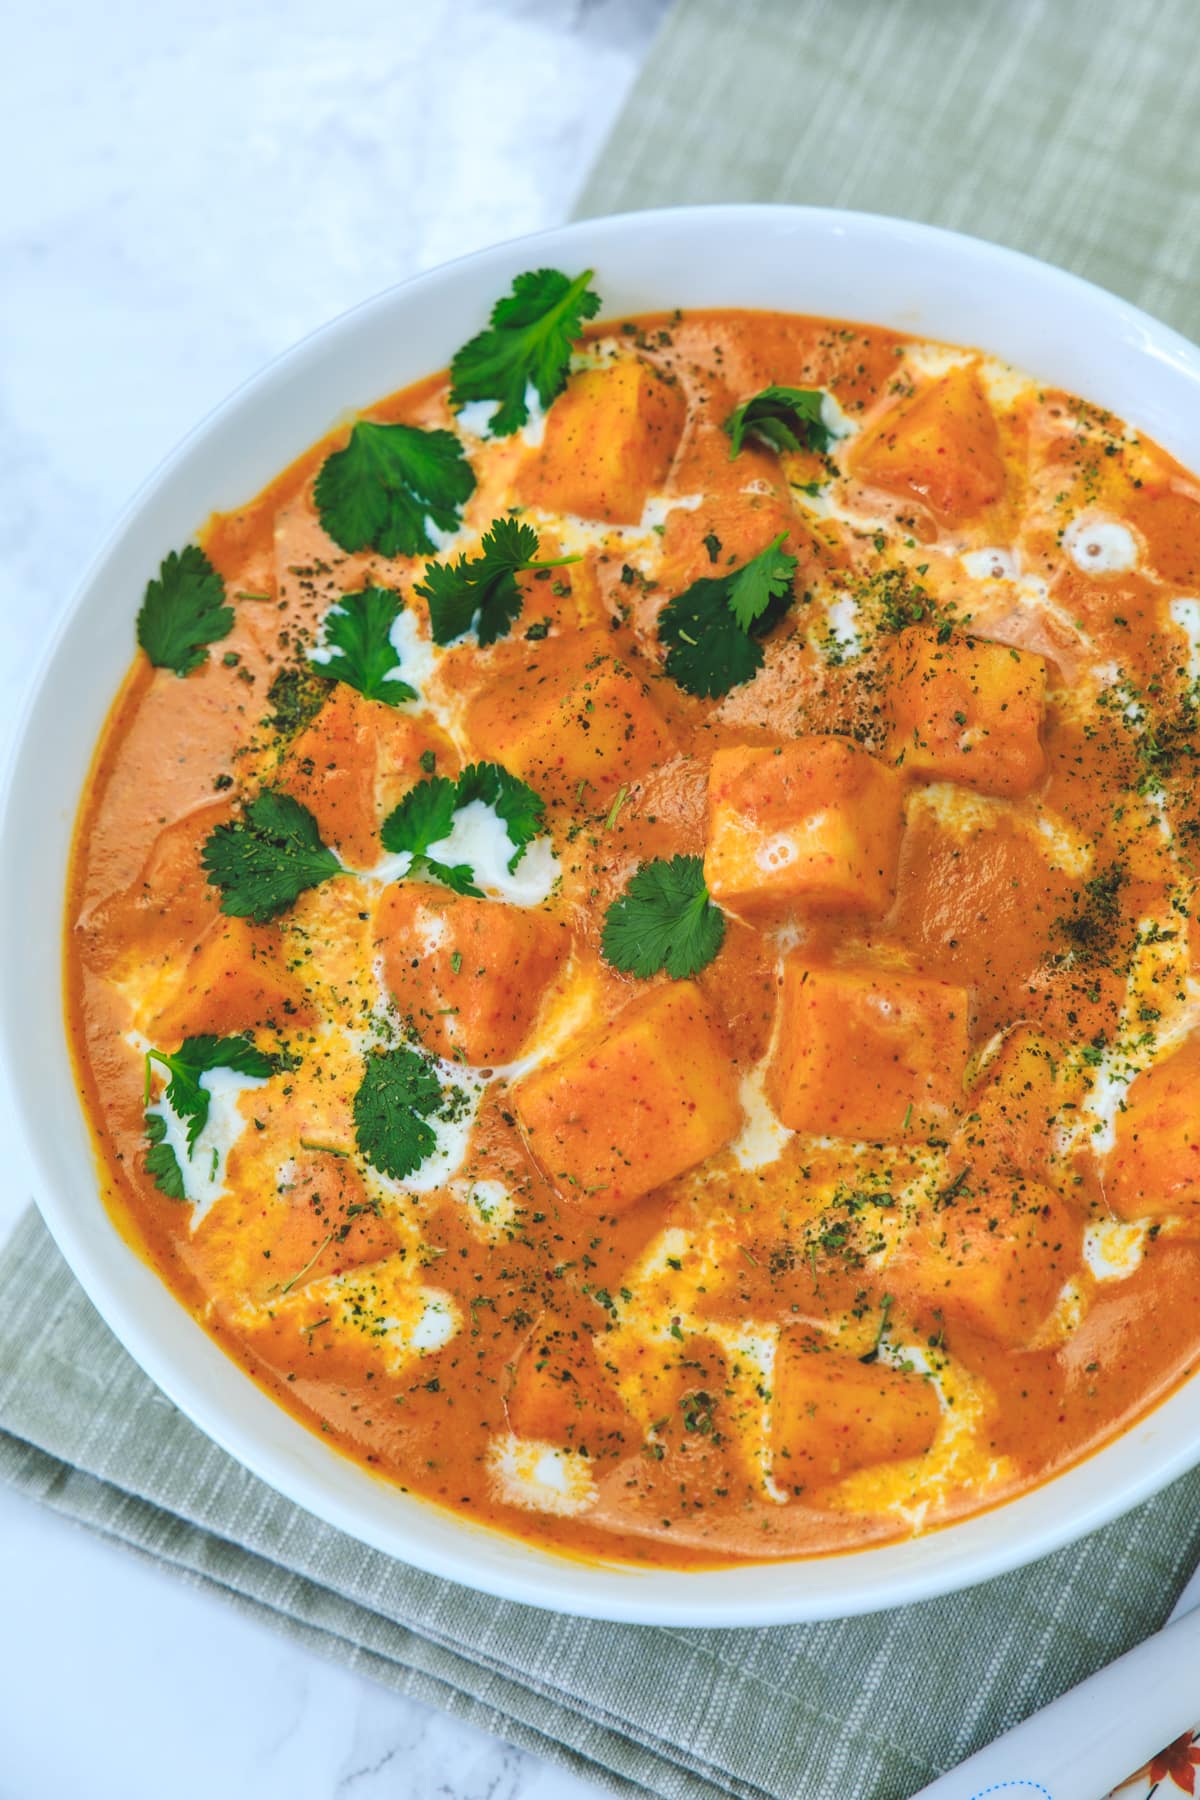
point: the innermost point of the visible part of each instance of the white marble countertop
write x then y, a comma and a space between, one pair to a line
188, 188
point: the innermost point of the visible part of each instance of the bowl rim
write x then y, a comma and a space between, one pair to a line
532, 1576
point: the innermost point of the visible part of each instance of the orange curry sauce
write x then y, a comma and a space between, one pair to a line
891, 1209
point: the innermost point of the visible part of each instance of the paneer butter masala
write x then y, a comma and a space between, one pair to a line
631, 934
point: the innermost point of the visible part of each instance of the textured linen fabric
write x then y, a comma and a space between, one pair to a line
1064, 127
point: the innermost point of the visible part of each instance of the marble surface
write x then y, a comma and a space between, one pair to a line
187, 189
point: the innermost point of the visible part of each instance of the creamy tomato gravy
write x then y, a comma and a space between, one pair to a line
889, 1210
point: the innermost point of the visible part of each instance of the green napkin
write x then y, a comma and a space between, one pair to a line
1065, 127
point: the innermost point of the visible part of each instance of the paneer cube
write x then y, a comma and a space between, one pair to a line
989, 1253
235, 979
942, 447
350, 766
814, 824
326, 1198
729, 530
867, 1053
675, 1387
566, 599
566, 712
168, 906
265, 1236
609, 442
471, 974
833, 1414
968, 711
1153, 1170
560, 1394
1026, 1093
646, 1097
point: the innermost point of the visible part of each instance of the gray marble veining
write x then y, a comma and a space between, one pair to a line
187, 189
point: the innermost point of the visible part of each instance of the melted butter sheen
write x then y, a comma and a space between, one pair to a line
822, 1334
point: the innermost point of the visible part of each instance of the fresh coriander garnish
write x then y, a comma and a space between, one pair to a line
189, 1099
297, 693
785, 418
196, 1056
183, 611
1095, 930
425, 817
316, 1256
527, 343
902, 602
664, 920
265, 860
162, 1164
381, 491
358, 647
482, 591
712, 629
885, 1310
398, 1095
614, 810
515, 802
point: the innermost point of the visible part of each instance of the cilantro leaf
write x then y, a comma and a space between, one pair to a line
161, 1161
184, 610
398, 1095
425, 817
358, 648
266, 859
482, 590
664, 920
707, 652
785, 418
380, 491
185, 1092
527, 343
522, 810
765, 578
456, 603
712, 629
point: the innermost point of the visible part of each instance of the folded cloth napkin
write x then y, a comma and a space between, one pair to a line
1065, 127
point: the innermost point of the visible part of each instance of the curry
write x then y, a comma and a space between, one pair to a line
630, 936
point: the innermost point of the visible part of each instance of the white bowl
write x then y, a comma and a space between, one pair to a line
847, 265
